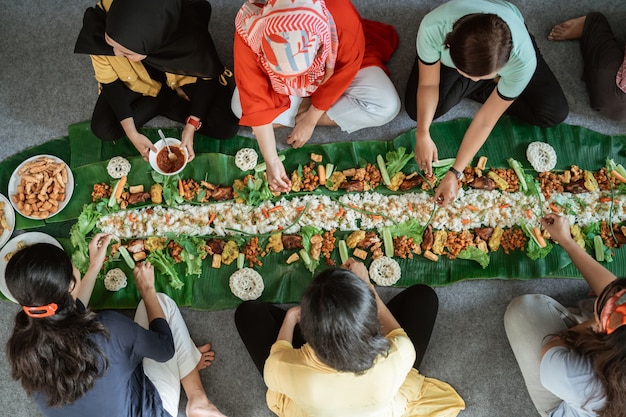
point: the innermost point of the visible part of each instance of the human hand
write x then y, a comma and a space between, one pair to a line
187, 141
301, 133
98, 250
143, 145
144, 277
425, 152
293, 315
277, 179
557, 226
359, 269
447, 190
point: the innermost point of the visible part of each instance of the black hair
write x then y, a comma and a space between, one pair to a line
55, 356
339, 319
479, 44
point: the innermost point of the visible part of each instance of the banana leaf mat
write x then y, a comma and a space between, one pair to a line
88, 156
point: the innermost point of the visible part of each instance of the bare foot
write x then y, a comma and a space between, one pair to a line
570, 29
200, 406
208, 356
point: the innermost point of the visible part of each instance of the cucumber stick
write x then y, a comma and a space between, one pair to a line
304, 255
343, 251
329, 170
263, 166
598, 245
388, 243
383, 169
444, 162
130, 262
240, 260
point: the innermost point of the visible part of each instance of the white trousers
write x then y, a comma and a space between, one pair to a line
530, 321
370, 100
166, 376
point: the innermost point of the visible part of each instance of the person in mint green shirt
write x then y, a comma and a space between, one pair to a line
480, 49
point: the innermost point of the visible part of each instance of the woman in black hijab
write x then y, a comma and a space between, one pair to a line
140, 47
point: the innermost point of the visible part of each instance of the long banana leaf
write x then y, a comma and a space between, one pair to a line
214, 162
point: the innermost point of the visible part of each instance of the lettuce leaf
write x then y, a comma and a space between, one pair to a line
396, 160
165, 265
410, 228
472, 253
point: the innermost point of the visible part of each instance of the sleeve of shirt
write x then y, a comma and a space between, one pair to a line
260, 104
203, 95
516, 75
271, 371
104, 72
567, 375
349, 58
429, 41
116, 94
401, 340
155, 343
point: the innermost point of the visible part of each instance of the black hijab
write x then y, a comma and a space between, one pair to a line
173, 34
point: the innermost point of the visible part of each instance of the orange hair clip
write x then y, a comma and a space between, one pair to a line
614, 312
41, 312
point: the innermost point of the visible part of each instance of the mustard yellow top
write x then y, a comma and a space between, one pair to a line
134, 75
299, 385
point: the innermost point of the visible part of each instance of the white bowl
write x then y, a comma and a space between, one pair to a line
9, 215
15, 180
152, 156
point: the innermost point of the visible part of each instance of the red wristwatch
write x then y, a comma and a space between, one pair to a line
195, 123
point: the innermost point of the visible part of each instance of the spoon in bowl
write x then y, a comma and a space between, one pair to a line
171, 155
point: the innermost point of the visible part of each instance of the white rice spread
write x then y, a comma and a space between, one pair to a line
365, 211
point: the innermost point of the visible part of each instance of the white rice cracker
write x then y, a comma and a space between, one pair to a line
541, 156
118, 167
246, 284
115, 280
385, 271
246, 159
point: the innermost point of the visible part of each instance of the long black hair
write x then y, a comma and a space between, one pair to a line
607, 353
339, 319
55, 355
479, 44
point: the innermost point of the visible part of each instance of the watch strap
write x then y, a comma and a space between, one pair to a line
195, 123
459, 175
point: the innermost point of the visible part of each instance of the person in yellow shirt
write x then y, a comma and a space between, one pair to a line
156, 57
342, 352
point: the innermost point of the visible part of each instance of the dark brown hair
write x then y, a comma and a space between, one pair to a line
339, 319
55, 356
607, 353
479, 44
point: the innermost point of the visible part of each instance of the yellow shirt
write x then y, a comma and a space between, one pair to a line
300, 385
110, 68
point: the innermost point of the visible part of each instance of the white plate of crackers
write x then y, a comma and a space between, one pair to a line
7, 220
41, 187
17, 243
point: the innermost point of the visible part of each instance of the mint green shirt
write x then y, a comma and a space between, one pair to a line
516, 73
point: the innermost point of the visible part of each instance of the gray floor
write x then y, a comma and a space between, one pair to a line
45, 87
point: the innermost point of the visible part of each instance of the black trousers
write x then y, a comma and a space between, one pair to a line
602, 56
415, 308
542, 103
219, 122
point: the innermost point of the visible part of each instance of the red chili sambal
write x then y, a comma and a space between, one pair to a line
168, 165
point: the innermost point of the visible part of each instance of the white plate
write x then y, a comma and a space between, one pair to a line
28, 239
9, 215
15, 180
160, 145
